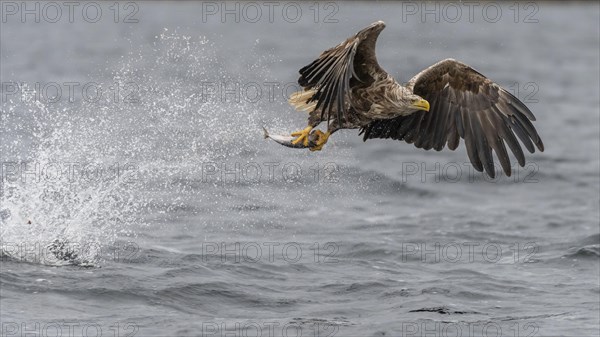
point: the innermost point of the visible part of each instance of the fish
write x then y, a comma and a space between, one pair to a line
287, 140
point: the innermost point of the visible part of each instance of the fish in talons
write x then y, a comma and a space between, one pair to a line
311, 139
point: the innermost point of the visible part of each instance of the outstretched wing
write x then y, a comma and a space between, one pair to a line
465, 104
328, 80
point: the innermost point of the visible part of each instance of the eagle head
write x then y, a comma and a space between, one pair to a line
417, 102
408, 103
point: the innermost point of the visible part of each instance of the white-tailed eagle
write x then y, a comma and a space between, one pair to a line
348, 89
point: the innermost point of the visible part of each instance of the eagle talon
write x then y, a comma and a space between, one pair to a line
322, 138
302, 136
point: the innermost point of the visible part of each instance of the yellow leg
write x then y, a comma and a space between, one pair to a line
323, 137
302, 136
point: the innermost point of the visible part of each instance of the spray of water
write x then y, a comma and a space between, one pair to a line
80, 176
74, 173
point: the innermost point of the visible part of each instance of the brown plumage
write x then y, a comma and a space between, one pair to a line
348, 89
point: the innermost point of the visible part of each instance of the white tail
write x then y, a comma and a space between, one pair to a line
299, 100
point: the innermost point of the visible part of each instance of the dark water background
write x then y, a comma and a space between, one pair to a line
175, 218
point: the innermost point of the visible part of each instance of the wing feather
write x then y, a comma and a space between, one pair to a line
332, 76
464, 104
329, 77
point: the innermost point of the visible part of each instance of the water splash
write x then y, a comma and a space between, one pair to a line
75, 172
103, 167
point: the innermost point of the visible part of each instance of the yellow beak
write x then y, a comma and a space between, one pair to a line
421, 105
